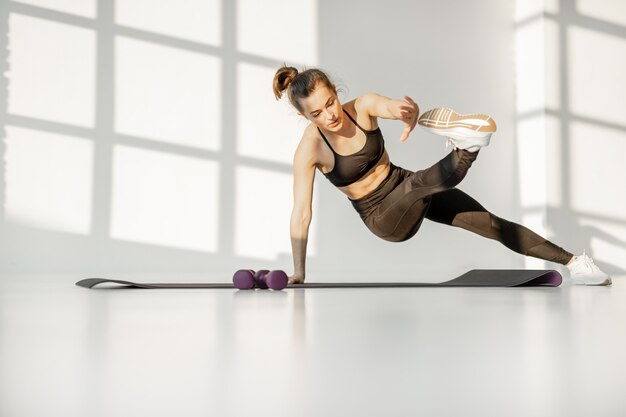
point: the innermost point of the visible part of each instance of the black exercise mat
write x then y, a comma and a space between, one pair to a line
473, 278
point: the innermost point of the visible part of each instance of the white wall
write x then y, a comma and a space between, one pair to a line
571, 125
144, 137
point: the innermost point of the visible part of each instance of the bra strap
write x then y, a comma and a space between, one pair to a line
326, 140
354, 121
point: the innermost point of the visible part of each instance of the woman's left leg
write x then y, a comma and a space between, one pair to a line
455, 208
398, 215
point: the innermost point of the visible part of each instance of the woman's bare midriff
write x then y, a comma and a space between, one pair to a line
370, 181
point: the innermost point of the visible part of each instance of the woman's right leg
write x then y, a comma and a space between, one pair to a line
455, 208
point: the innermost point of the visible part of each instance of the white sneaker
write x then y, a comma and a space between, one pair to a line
584, 272
465, 131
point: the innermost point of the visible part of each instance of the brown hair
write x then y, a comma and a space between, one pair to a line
299, 84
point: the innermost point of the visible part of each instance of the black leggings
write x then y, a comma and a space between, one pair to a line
394, 211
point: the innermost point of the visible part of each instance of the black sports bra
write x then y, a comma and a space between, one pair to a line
351, 168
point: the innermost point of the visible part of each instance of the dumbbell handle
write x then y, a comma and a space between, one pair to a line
259, 278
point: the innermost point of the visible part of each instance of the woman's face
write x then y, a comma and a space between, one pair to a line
323, 109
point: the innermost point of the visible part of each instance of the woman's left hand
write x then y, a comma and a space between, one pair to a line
408, 114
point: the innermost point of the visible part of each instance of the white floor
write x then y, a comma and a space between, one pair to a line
69, 351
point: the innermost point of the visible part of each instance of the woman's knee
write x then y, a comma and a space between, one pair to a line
398, 226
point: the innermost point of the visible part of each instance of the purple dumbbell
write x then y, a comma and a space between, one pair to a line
259, 278
244, 279
276, 280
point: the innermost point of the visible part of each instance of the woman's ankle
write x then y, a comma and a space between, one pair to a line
571, 260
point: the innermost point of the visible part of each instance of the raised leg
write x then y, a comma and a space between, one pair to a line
445, 174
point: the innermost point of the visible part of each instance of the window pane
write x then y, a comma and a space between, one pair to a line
194, 20
167, 94
165, 199
49, 180
51, 71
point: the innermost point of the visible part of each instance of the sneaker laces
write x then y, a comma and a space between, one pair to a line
589, 262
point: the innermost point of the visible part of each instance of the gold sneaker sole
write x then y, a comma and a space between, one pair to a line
446, 122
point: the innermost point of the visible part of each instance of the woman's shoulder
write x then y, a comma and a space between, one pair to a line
358, 109
310, 141
311, 133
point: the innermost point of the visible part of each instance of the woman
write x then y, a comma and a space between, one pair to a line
345, 143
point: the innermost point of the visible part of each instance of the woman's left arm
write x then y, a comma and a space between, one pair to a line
380, 106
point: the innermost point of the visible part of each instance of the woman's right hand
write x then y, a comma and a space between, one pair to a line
295, 279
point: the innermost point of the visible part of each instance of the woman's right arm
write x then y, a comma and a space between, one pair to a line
304, 163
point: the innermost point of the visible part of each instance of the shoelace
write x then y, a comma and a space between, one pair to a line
589, 262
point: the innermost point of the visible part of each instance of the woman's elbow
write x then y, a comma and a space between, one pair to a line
301, 215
